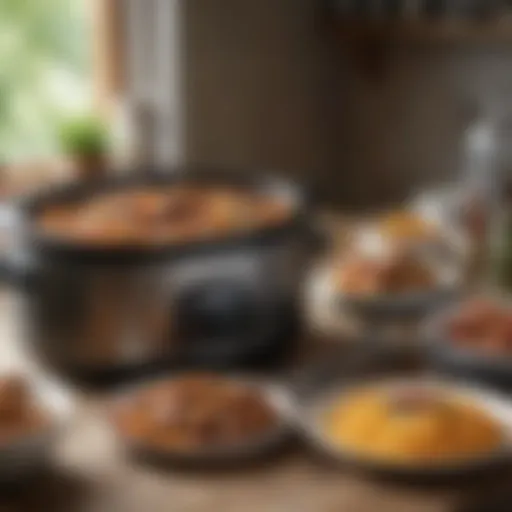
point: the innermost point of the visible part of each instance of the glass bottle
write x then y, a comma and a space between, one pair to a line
501, 227
479, 195
489, 193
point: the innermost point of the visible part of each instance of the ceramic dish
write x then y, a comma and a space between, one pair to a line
412, 304
447, 356
29, 454
255, 448
416, 303
311, 415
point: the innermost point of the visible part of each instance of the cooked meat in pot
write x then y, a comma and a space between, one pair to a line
162, 215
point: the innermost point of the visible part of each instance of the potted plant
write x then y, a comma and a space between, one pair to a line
85, 140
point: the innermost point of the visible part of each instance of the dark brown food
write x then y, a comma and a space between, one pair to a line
162, 215
19, 414
195, 412
483, 324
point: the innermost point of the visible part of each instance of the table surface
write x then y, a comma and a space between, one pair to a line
92, 475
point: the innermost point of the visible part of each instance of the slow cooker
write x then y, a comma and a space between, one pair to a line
230, 301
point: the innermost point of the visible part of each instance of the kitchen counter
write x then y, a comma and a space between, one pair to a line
93, 476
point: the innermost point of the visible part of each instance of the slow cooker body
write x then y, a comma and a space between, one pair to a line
229, 309
229, 303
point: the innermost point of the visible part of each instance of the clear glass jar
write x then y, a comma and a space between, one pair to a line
488, 189
500, 261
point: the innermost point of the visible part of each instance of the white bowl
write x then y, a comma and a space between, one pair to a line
470, 362
255, 447
28, 454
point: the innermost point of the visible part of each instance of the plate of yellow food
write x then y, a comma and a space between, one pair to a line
412, 427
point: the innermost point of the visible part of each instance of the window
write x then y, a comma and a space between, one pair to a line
45, 71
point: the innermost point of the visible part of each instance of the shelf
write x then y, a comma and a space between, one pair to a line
426, 31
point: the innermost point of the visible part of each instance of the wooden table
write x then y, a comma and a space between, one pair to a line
91, 474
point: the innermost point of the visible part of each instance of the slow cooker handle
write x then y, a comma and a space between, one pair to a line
16, 269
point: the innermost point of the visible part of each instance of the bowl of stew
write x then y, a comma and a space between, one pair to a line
473, 339
201, 419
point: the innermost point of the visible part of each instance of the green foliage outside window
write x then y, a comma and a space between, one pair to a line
44, 66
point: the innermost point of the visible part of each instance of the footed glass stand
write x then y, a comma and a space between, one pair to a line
394, 329
499, 265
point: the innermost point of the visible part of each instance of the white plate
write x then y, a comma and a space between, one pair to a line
311, 416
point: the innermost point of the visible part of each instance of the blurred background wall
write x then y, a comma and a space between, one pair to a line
252, 83
268, 83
